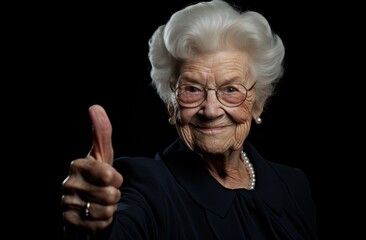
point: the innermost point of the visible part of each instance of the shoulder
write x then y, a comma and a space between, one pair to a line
287, 172
289, 185
298, 187
292, 177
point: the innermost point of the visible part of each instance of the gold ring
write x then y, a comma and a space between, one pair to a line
87, 206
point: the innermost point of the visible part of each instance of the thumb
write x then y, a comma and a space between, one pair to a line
102, 149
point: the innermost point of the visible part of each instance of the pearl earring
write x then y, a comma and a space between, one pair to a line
258, 120
172, 121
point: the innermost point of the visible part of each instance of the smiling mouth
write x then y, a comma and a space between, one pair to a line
211, 129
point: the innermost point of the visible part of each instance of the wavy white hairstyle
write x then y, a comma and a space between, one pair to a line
207, 27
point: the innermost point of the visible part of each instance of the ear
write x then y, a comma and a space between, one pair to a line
256, 115
170, 109
258, 110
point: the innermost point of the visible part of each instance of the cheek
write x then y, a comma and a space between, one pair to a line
241, 115
184, 116
182, 125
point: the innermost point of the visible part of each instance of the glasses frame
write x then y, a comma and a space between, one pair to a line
216, 93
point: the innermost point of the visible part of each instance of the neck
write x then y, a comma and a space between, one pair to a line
232, 172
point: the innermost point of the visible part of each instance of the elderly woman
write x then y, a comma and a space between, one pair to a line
214, 67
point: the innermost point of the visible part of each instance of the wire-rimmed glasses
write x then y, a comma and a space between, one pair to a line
192, 95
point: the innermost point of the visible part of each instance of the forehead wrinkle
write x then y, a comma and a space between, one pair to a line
196, 66
222, 67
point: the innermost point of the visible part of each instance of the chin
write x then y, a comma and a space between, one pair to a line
213, 147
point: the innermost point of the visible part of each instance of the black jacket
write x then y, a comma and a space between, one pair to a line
173, 197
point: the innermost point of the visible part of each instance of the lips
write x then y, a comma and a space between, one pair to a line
210, 129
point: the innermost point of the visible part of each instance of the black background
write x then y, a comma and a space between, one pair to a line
73, 55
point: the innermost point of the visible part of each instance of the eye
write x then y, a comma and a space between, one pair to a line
227, 89
230, 89
190, 88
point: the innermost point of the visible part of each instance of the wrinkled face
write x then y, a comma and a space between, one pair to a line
213, 127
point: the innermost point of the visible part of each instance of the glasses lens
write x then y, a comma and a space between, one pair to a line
190, 95
231, 94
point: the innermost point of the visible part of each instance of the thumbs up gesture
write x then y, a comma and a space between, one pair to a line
91, 190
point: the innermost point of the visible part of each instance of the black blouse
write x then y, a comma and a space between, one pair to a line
173, 197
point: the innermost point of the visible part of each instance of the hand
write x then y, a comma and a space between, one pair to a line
92, 180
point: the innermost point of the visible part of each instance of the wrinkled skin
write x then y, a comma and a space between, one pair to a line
215, 131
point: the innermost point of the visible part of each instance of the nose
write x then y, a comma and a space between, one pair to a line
211, 107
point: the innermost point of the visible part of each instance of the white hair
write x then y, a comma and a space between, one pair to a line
207, 27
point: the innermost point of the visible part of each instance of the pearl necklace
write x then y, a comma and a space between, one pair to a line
250, 170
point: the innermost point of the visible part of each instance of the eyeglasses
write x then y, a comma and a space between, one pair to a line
192, 95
